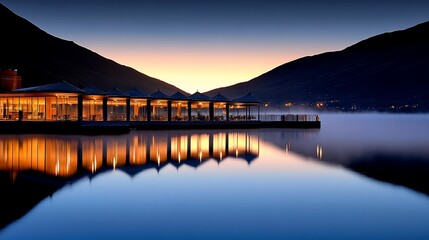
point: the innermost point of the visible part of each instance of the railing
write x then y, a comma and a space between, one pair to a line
290, 117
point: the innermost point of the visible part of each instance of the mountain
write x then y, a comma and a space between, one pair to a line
391, 69
42, 58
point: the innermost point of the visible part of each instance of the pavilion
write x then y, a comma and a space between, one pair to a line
64, 102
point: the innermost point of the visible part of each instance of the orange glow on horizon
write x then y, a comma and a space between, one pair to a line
188, 67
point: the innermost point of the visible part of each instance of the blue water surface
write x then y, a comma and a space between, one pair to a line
299, 184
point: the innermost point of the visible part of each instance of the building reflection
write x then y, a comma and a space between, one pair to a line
34, 167
56, 157
67, 156
92, 154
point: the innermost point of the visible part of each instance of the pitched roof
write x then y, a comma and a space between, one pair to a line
220, 98
159, 95
117, 93
249, 98
135, 93
63, 87
199, 97
93, 90
179, 96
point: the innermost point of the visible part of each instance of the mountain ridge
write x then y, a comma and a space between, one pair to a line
390, 69
42, 58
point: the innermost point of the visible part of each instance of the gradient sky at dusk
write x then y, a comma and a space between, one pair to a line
200, 45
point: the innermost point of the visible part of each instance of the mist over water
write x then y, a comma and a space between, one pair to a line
361, 176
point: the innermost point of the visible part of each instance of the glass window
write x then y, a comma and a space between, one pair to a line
200, 111
92, 109
138, 110
116, 109
179, 111
159, 110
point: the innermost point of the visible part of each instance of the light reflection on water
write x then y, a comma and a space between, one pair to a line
65, 156
268, 183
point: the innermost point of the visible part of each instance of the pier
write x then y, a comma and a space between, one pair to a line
65, 109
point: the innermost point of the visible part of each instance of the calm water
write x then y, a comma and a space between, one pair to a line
362, 176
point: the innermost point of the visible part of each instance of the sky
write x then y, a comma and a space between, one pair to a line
201, 45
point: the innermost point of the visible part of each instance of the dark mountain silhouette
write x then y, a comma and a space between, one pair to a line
42, 58
385, 70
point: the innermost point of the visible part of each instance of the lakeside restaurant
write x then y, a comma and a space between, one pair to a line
62, 101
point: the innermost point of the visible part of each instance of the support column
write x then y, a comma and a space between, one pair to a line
128, 109
259, 112
80, 107
148, 108
179, 110
189, 111
169, 110
105, 109
227, 112
211, 111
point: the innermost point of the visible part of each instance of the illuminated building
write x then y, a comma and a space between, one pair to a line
93, 104
160, 103
64, 102
57, 101
201, 107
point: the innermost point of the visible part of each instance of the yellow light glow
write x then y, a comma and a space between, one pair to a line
319, 151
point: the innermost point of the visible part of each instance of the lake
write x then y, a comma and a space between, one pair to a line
361, 176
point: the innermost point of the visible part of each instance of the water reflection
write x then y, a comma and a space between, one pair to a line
291, 178
388, 148
34, 167
65, 157
51, 156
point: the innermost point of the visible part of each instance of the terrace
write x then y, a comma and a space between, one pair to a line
62, 102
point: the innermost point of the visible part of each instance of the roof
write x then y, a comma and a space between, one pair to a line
63, 87
179, 96
116, 93
93, 90
249, 98
135, 93
220, 98
159, 95
199, 97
